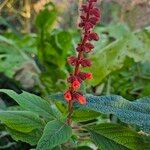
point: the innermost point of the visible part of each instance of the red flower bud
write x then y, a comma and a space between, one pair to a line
94, 20
82, 17
82, 99
67, 96
88, 47
93, 36
82, 75
76, 84
84, 8
80, 48
71, 78
89, 75
72, 60
95, 12
85, 63
88, 25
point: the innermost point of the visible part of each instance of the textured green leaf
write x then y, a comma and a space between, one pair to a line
32, 103
116, 137
23, 121
31, 137
136, 112
112, 57
55, 133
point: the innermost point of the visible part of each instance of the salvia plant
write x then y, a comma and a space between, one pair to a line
90, 16
75, 120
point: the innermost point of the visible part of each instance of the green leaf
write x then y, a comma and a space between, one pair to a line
78, 115
63, 40
46, 18
23, 121
113, 56
135, 113
84, 115
55, 133
32, 103
31, 137
11, 57
116, 137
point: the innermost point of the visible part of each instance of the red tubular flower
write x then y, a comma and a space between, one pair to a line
68, 96
89, 75
76, 84
90, 16
82, 100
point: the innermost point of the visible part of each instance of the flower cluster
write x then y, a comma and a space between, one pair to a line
90, 16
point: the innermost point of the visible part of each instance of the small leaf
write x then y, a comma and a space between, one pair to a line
55, 133
23, 121
116, 137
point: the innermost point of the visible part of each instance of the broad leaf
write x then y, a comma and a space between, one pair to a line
32, 103
23, 121
55, 133
136, 112
31, 137
116, 137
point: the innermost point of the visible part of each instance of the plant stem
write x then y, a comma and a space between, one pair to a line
70, 110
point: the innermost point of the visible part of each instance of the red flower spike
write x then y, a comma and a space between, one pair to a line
82, 100
93, 36
90, 16
76, 84
67, 96
89, 75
